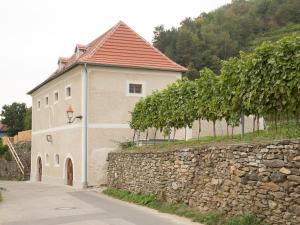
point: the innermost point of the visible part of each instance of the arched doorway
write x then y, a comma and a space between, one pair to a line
39, 169
69, 172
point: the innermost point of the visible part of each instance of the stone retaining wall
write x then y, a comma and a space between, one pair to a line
260, 178
9, 168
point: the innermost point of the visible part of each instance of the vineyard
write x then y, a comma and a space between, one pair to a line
264, 82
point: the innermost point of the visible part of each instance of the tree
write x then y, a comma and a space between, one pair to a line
28, 119
14, 117
218, 35
229, 82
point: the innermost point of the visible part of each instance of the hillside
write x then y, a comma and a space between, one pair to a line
211, 37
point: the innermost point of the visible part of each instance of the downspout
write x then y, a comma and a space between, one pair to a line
85, 127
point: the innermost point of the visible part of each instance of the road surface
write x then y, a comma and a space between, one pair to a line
28, 203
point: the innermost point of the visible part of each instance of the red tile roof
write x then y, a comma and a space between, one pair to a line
3, 127
120, 46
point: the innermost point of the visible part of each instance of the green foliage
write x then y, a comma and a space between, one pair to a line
212, 218
126, 145
218, 35
28, 119
208, 99
173, 107
4, 152
16, 116
264, 82
270, 79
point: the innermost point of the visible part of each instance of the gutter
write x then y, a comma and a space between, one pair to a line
85, 126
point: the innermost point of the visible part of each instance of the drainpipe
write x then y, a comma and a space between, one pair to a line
85, 126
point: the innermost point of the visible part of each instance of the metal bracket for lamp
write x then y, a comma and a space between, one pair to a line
70, 115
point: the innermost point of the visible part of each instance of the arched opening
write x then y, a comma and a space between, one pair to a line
39, 169
69, 172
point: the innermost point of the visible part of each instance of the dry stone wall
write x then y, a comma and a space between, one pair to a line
263, 179
9, 168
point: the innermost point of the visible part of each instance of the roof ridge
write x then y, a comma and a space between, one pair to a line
102, 41
158, 51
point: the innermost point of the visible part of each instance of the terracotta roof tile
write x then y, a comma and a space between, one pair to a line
3, 127
119, 46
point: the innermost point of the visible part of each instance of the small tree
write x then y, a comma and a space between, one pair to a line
14, 117
208, 97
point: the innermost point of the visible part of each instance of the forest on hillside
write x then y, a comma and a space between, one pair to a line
211, 37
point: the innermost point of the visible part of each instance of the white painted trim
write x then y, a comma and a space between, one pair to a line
66, 88
143, 83
54, 93
79, 125
109, 125
60, 128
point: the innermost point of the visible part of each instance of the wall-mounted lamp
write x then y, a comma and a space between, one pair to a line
70, 115
49, 138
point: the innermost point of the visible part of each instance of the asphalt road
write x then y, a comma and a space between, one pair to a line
40, 204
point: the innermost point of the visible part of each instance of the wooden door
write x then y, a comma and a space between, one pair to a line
69, 172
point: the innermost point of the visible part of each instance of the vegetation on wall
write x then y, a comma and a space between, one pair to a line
264, 82
212, 218
17, 117
218, 35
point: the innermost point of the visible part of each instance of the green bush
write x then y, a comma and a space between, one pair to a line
3, 148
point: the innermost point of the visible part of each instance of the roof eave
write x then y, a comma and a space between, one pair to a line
99, 64
49, 79
136, 67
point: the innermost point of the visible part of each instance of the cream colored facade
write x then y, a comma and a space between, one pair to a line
108, 107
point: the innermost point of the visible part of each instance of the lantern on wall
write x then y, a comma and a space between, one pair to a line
70, 115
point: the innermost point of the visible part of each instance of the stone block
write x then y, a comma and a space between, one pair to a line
285, 171
275, 163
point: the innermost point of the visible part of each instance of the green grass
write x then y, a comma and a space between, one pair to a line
212, 218
282, 133
1, 197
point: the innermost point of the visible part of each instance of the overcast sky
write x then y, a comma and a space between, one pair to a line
34, 33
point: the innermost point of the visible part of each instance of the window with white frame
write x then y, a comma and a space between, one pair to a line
39, 104
68, 92
56, 97
56, 160
46, 101
135, 88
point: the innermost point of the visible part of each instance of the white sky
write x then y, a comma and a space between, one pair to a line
34, 33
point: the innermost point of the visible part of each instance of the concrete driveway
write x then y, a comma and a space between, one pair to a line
40, 204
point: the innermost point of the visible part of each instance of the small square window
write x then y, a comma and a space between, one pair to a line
56, 97
68, 92
135, 88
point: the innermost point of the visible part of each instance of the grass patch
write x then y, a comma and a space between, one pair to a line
213, 218
281, 133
